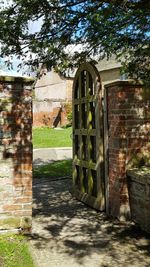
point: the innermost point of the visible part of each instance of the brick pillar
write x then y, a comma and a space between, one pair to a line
128, 115
15, 153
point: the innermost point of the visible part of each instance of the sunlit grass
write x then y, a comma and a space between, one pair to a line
47, 137
14, 251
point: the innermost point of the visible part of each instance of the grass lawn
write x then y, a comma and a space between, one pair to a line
47, 137
14, 251
61, 168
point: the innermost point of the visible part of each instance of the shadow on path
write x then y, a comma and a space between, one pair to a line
68, 233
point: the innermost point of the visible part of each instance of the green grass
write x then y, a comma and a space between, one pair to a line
14, 251
47, 137
57, 169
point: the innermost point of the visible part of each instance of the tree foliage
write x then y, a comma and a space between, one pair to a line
100, 28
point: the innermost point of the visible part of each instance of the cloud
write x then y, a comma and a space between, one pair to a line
35, 26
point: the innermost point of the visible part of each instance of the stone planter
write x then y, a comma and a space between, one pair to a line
139, 196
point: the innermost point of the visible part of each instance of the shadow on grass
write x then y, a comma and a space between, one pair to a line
55, 169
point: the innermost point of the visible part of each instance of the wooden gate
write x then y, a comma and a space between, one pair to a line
88, 160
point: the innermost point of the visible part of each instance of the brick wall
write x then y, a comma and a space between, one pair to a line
15, 153
128, 113
55, 117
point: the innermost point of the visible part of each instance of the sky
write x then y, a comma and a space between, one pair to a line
33, 27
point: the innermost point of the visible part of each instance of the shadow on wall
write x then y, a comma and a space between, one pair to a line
51, 113
128, 142
57, 120
16, 144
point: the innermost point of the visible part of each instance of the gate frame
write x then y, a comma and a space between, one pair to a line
99, 128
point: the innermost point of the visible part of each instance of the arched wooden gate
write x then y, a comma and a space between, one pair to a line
88, 160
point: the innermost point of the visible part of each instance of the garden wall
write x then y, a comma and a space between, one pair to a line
52, 94
50, 113
15, 153
128, 142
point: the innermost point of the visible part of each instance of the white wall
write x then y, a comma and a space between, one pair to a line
51, 86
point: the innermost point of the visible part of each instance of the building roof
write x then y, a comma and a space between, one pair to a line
102, 65
108, 64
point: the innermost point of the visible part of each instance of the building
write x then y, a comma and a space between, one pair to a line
53, 93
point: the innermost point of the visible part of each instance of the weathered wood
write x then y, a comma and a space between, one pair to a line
88, 170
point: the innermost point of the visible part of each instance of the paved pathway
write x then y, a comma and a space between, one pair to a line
66, 233
46, 155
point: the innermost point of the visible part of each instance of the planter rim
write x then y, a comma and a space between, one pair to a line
139, 173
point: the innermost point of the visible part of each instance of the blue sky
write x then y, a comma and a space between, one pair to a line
33, 27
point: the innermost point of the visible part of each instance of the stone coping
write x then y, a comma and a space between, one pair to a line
16, 79
140, 174
129, 82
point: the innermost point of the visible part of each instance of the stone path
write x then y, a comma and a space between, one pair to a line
46, 155
66, 233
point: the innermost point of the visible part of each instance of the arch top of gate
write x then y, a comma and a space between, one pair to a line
88, 75
89, 67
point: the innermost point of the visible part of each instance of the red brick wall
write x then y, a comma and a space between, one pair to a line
55, 118
15, 153
128, 111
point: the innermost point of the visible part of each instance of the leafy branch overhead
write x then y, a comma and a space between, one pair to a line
99, 28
